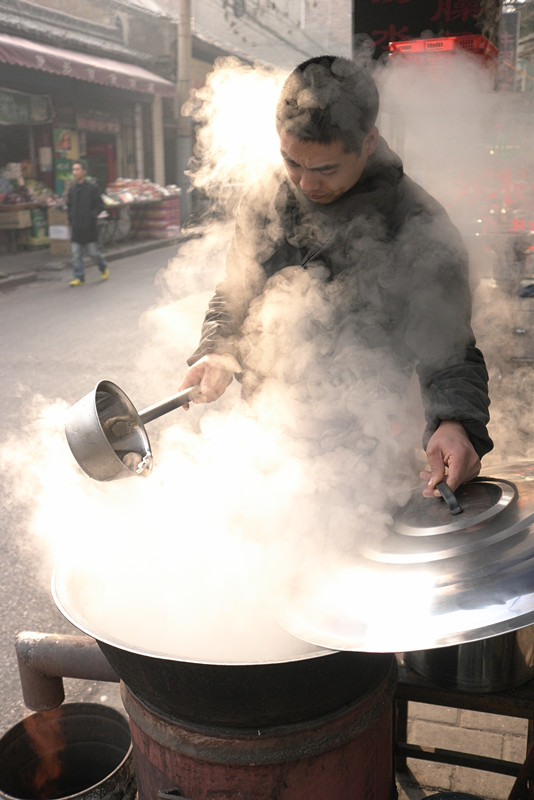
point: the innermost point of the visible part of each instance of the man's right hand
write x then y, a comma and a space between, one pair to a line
213, 373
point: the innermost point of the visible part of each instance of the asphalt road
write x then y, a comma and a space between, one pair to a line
57, 342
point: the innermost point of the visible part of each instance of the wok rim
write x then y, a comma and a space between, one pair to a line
85, 627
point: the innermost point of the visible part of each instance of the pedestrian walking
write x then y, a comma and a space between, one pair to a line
84, 204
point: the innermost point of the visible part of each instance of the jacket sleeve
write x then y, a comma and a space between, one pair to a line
97, 204
244, 279
69, 206
459, 392
437, 326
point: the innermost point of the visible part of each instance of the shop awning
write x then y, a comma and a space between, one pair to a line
82, 66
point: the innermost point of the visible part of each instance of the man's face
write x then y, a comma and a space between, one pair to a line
324, 172
78, 172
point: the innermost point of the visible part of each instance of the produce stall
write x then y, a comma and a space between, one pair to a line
153, 210
23, 209
32, 216
12, 221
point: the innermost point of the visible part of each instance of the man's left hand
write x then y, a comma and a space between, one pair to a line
449, 446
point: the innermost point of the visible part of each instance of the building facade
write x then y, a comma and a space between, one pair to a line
84, 80
99, 80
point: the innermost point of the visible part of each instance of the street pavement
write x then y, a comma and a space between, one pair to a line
57, 342
26, 266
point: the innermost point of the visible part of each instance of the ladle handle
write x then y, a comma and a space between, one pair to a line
175, 401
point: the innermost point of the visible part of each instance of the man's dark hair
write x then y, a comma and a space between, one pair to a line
82, 164
327, 99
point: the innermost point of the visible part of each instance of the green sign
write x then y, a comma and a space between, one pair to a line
20, 108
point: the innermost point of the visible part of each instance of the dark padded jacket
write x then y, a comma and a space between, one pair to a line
407, 267
84, 204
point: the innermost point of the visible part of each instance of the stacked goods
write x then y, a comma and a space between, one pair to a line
159, 220
58, 231
14, 218
5, 187
25, 191
20, 195
44, 197
37, 235
131, 190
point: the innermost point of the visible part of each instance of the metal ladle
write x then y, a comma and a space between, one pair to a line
106, 433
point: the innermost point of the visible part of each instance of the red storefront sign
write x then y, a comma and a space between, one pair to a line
401, 20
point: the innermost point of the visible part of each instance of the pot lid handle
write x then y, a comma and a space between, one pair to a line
449, 497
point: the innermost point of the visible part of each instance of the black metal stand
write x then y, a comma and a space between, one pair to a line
518, 703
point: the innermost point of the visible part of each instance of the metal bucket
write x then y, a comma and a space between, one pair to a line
489, 665
79, 750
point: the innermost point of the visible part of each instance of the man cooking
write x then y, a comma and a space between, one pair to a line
343, 201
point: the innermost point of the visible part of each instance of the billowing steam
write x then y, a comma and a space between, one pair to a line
236, 135
189, 561
471, 147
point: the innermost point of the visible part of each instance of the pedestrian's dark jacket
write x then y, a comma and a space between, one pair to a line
84, 204
398, 252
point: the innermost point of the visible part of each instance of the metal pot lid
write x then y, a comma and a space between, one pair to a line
432, 580
478, 501
425, 530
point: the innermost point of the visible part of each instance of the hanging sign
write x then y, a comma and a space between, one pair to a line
20, 108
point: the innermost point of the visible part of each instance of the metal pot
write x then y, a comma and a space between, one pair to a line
495, 664
106, 433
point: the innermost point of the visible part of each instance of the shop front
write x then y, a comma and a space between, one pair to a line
58, 106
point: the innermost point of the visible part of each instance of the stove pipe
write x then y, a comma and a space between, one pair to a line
44, 659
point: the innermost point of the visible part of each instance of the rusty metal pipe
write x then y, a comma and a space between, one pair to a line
44, 659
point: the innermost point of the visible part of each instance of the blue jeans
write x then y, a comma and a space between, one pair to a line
76, 250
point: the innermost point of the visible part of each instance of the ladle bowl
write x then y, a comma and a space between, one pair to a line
107, 435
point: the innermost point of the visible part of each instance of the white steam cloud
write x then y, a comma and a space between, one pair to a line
235, 128
471, 147
189, 560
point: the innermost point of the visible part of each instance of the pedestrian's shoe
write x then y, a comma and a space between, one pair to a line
104, 275
77, 282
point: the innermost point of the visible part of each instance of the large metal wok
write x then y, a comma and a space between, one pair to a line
302, 684
107, 435
431, 580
